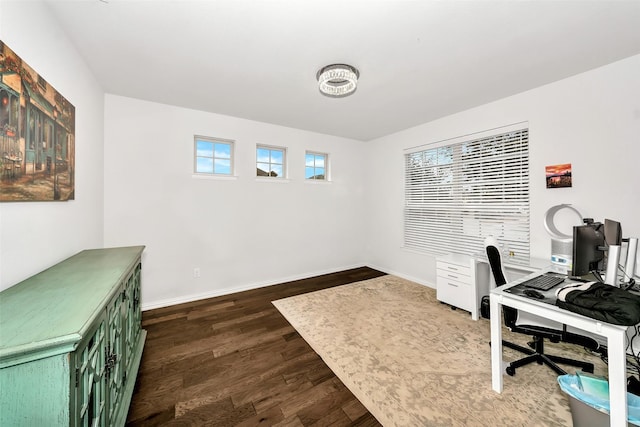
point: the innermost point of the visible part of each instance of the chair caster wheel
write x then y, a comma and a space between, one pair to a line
510, 371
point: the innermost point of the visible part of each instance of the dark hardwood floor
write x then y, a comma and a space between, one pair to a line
234, 360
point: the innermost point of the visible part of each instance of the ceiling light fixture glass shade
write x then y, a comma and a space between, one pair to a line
337, 80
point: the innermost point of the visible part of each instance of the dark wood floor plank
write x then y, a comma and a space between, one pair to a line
234, 360
354, 409
271, 393
271, 417
221, 413
290, 422
236, 379
328, 409
301, 402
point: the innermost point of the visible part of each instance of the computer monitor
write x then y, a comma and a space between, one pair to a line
588, 248
612, 232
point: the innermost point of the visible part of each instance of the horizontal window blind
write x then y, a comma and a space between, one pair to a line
457, 195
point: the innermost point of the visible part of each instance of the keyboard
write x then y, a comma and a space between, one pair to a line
543, 282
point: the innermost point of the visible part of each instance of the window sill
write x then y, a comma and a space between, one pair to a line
215, 177
277, 180
317, 181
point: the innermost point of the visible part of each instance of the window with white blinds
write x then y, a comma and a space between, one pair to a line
456, 195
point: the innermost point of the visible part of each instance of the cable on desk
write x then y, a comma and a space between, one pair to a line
597, 275
622, 281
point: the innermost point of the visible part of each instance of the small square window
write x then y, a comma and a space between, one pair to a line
315, 166
270, 161
213, 156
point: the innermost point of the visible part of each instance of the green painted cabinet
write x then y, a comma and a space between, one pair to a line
71, 341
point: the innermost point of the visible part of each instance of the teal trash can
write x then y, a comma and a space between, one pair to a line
589, 401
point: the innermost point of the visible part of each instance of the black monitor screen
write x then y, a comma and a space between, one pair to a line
588, 241
612, 232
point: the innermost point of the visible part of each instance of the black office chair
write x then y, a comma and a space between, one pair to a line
539, 333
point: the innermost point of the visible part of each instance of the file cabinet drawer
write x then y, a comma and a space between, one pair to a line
454, 292
455, 270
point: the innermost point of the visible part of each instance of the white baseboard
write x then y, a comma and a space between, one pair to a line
404, 276
241, 288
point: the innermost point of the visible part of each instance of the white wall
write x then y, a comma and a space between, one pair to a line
242, 232
591, 120
35, 235
150, 197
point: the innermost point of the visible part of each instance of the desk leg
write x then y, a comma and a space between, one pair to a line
496, 343
617, 378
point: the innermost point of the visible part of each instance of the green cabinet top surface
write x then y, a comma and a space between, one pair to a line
49, 313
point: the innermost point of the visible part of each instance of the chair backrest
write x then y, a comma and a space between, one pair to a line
495, 262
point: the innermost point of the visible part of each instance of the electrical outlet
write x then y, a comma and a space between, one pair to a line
196, 272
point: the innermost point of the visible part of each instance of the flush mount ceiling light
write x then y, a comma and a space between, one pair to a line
337, 80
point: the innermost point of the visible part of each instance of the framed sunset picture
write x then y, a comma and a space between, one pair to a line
558, 176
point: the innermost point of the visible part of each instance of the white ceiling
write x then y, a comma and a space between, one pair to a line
418, 60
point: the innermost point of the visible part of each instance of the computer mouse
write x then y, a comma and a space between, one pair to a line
532, 293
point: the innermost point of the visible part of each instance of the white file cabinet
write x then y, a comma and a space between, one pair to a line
457, 283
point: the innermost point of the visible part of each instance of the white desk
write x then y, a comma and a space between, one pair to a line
614, 334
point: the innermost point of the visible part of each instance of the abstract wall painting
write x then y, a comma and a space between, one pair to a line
37, 135
558, 176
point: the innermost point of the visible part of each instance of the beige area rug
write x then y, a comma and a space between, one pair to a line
413, 361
